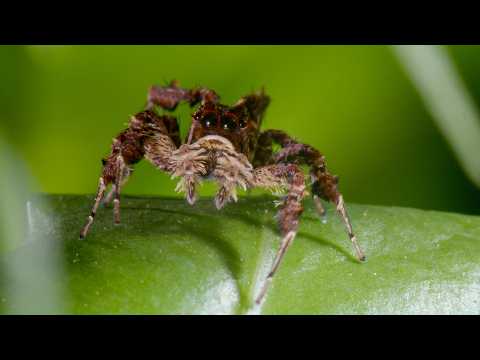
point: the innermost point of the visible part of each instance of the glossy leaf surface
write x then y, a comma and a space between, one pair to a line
170, 258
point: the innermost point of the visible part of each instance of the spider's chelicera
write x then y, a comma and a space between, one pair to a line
225, 144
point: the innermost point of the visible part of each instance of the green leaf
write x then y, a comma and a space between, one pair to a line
170, 258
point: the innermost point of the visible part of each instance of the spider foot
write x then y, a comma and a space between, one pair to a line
188, 184
286, 242
225, 194
232, 170
189, 163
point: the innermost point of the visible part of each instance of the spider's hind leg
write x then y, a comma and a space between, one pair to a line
324, 184
110, 195
114, 172
281, 176
325, 187
98, 198
121, 177
108, 199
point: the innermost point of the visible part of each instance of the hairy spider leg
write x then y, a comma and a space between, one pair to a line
273, 177
124, 178
255, 103
148, 135
112, 173
232, 170
116, 189
108, 199
324, 184
168, 98
98, 198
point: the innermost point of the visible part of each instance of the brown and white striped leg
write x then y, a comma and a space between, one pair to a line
122, 173
188, 163
98, 199
116, 206
319, 206
108, 199
324, 184
110, 195
232, 170
342, 211
168, 97
281, 176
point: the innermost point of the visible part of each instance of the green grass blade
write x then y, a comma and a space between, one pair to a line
446, 97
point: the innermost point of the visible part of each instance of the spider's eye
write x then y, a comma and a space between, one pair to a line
242, 123
209, 120
228, 123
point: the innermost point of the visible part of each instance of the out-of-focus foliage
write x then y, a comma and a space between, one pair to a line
167, 257
30, 283
448, 100
61, 106
13, 199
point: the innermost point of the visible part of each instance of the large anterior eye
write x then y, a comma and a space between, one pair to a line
228, 123
242, 123
209, 120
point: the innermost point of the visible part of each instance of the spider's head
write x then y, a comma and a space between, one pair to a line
230, 122
217, 119
239, 123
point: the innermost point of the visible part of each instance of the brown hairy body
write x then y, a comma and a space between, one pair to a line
224, 144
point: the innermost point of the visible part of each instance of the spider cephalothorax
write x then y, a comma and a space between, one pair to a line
224, 144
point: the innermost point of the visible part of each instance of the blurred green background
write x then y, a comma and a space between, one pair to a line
60, 107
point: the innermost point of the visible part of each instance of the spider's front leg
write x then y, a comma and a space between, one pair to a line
148, 135
168, 97
115, 171
324, 184
214, 157
275, 177
190, 163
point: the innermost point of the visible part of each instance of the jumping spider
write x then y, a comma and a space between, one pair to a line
224, 144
